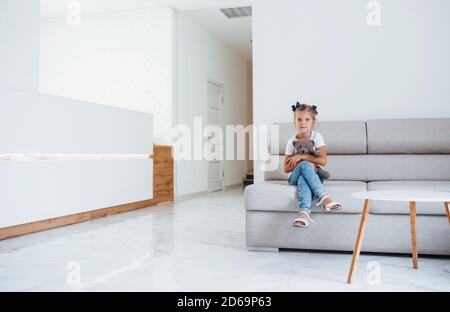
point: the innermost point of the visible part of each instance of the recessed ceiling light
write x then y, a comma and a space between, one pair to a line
237, 12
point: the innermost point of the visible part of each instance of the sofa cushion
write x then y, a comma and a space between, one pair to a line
286, 130
341, 168
409, 136
388, 207
341, 137
280, 196
408, 167
347, 167
344, 137
274, 169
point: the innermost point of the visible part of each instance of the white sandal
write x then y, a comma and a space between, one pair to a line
306, 221
329, 206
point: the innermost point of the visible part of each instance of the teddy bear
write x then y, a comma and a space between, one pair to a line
306, 147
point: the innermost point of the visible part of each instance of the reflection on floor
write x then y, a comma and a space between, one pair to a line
196, 244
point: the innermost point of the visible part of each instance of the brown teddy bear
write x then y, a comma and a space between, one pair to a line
306, 147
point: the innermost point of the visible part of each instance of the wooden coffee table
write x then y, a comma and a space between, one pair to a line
410, 196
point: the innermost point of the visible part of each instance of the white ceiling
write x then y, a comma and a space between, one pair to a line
52, 8
236, 33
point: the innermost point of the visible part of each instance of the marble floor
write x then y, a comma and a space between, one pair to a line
195, 244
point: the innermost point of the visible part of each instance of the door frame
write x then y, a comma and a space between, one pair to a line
221, 86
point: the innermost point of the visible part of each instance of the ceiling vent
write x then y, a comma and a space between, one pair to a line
237, 12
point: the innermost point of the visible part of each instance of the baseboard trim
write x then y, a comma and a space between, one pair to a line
203, 193
42, 225
189, 196
233, 186
270, 249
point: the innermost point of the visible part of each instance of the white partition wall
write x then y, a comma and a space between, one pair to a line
42, 125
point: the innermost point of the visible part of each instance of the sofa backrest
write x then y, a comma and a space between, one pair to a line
409, 136
377, 150
341, 137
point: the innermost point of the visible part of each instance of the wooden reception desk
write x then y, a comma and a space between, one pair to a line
162, 192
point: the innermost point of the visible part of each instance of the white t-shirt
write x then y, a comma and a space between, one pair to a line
315, 136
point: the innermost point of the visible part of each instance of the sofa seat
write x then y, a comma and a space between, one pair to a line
278, 195
390, 207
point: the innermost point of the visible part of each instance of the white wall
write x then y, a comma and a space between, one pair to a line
200, 56
249, 110
78, 62
324, 53
122, 59
19, 43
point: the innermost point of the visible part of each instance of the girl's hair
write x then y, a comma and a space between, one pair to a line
305, 107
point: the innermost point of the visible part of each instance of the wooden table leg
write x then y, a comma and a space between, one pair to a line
447, 211
359, 239
412, 214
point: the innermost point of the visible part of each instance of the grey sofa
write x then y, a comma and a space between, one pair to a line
373, 155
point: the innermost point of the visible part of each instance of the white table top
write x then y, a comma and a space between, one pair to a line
405, 195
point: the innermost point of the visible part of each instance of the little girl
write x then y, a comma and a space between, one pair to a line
302, 167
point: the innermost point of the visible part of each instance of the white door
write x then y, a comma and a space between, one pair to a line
215, 167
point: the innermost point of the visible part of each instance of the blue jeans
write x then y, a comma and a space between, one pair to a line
308, 183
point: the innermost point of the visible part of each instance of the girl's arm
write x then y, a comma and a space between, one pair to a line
291, 161
322, 160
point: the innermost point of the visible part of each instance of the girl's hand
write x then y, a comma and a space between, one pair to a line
295, 160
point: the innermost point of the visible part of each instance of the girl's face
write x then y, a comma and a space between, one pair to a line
304, 122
